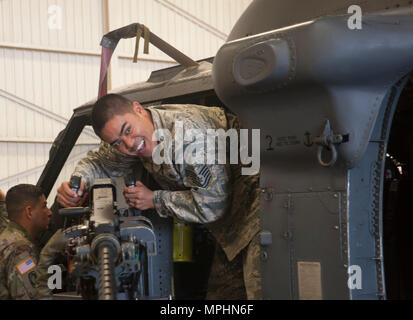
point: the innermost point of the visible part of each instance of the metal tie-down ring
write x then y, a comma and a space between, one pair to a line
327, 141
331, 147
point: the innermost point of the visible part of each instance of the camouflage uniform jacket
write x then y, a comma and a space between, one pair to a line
4, 221
18, 261
214, 194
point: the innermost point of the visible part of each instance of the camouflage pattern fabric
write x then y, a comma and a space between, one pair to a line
18, 261
252, 269
226, 280
4, 221
48, 256
238, 279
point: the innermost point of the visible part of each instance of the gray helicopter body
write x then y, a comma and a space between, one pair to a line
323, 93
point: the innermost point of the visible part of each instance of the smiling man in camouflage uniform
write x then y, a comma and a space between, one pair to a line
216, 195
29, 217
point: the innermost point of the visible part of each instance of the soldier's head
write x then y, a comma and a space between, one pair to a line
27, 206
124, 124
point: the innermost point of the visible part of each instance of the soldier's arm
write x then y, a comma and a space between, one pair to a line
21, 273
92, 166
104, 163
208, 197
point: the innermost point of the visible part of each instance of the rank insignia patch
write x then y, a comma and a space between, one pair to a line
201, 177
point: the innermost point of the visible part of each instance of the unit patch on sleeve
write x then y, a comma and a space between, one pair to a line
26, 266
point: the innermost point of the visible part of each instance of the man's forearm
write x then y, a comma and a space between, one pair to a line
190, 205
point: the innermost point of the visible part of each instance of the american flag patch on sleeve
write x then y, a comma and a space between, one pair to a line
26, 266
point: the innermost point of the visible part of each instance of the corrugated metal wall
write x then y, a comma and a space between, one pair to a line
50, 59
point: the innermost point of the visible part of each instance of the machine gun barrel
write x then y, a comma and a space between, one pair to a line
107, 282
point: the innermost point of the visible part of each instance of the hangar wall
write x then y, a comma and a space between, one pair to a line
50, 58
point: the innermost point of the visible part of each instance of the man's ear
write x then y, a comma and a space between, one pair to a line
137, 107
28, 212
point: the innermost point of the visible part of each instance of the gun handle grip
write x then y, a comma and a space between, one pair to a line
74, 183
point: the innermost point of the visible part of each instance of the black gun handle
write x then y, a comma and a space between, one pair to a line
130, 180
74, 183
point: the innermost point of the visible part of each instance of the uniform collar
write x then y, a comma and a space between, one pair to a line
15, 226
157, 124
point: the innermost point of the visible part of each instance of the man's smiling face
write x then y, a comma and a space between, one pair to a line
131, 133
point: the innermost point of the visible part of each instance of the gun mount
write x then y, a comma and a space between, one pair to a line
110, 255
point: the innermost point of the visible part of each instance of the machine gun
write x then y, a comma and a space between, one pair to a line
109, 253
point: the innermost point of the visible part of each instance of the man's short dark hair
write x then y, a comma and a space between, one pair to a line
107, 107
21, 196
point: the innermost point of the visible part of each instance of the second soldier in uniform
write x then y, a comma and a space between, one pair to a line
29, 216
